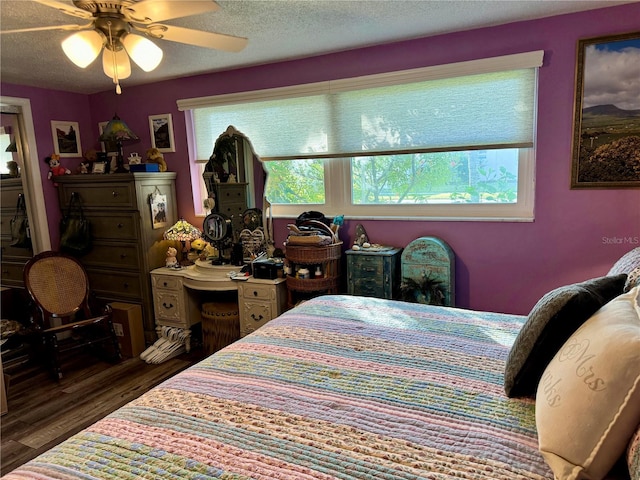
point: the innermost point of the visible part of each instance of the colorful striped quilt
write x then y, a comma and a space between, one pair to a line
340, 387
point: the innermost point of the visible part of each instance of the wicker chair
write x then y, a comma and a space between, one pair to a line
59, 287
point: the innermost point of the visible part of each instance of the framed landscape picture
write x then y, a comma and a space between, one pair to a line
606, 131
161, 129
66, 138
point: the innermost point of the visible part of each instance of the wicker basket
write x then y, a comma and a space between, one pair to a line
220, 325
313, 284
310, 255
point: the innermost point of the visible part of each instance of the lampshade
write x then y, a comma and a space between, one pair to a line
182, 231
143, 51
116, 66
117, 131
83, 47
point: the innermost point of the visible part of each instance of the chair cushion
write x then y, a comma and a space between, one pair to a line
550, 323
588, 400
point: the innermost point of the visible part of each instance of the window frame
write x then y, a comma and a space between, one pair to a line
337, 169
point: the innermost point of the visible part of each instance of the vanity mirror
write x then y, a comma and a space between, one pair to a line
235, 178
217, 229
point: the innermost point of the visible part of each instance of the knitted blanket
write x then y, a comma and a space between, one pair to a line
340, 387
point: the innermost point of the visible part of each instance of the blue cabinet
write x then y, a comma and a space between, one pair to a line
374, 273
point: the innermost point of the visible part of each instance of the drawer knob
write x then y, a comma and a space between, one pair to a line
167, 306
258, 318
114, 194
165, 284
255, 294
125, 285
123, 255
120, 225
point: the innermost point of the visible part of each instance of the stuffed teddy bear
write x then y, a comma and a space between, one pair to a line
171, 261
55, 168
155, 156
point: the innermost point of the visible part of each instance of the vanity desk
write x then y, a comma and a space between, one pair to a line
178, 296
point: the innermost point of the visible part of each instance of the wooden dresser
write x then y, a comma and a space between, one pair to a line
374, 273
231, 200
13, 258
126, 247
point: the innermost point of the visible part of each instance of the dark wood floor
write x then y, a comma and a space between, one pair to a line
43, 412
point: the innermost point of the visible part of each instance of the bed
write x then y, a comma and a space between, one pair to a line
341, 387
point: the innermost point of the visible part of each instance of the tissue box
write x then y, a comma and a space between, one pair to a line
144, 167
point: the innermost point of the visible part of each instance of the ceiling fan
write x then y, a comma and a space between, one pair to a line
123, 28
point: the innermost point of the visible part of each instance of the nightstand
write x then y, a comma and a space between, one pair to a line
373, 273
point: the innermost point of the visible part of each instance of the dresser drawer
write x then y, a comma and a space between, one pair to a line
114, 226
15, 253
9, 196
115, 284
166, 282
254, 315
367, 288
256, 292
366, 266
102, 196
114, 255
11, 274
168, 306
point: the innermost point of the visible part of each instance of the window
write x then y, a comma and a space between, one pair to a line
451, 141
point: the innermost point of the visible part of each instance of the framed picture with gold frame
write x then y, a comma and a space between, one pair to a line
606, 131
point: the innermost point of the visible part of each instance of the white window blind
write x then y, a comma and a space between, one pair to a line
488, 103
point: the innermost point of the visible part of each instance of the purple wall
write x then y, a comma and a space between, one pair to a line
47, 105
500, 266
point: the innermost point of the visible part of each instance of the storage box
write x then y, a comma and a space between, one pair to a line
127, 322
268, 268
144, 167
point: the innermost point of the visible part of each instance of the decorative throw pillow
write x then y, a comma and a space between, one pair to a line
626, 263
633, 455
588, 401
633, 279
550, 323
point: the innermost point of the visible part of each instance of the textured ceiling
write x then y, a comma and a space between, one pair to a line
276, 29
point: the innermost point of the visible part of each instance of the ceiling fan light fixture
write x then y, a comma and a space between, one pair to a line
82, 48
116, 65
143, 51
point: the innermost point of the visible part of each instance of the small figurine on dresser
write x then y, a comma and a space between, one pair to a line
55, 168
172, 261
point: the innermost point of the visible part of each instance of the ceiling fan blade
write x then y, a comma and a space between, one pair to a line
64, 8
147, 11
217, 41
56, 27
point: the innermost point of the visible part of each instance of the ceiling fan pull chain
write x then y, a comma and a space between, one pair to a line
115, 63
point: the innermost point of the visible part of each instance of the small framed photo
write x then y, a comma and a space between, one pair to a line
66, 138
99, 167
158, 210
107, 147
161, 129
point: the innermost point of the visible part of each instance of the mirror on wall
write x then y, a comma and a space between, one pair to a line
235, 161
235, 178
28, 163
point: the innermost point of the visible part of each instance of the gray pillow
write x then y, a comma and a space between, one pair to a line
550, 323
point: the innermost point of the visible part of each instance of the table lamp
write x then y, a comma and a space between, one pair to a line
117, 131
185, 233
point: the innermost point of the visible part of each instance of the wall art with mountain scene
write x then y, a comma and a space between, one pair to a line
606, 133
